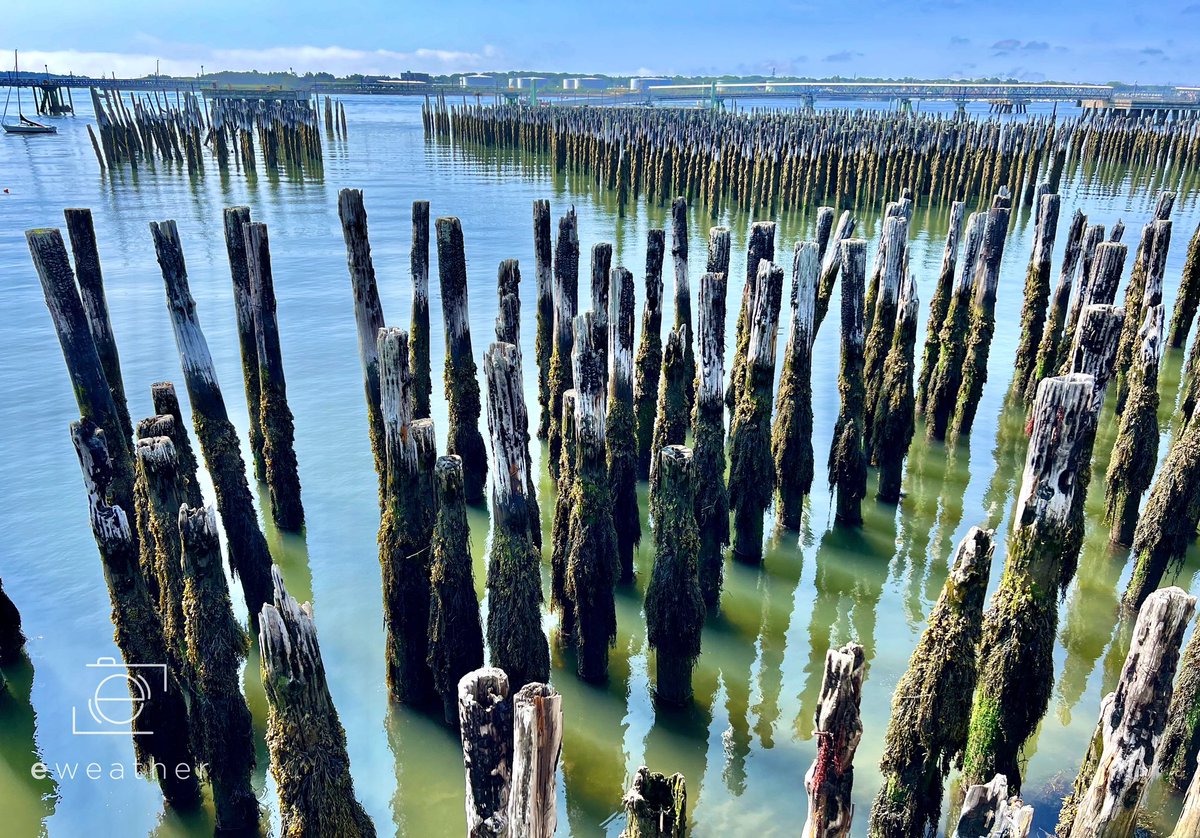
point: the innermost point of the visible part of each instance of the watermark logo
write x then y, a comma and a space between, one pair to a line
119, 698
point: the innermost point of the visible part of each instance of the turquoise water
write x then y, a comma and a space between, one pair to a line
746, 743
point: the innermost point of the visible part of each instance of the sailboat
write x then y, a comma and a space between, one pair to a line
23, 125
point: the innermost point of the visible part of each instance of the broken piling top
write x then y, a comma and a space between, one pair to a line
806, 269
988, 810
537, 746
587, 364
395, 389
655, 806
838, 729
505, 412
711, 334
1061, 413
718, 250
485, 723
764, 316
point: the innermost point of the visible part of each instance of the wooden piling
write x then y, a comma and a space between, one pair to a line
560, 530
655, 806
1037, 291
893, 408
880, 317
831, 265
761, 247
671, 419
683, 297
1053, 347
1189, 295
486, 726
988, 812
166, 403
1180, 743
544, 340
708, 435
791, 434
838, 730
1189, 818
418, 334
537, 746
940, 304
847, 461
236, 219
648, 363
566, 306
601, 267
620, 431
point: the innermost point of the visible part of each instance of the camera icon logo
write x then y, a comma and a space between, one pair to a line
119, 698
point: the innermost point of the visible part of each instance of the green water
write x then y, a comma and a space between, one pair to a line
746, 742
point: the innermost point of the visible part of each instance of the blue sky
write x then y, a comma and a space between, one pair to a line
1098, 41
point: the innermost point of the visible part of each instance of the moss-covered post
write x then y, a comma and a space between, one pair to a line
166, 403
601, 268
894, 423
303, 729
847, 461
940, 304
1098, 281
418, 334
760, 248
683, 296
708, 436
368, 316
931, 707
404, 531
674, 603
566, 306
248, 554
1189, 295
1016, 654
655, 806
620, 426
91, 293
838, 730
485, 724
12, 638
560, 528
648, 363
217, 647
1157, 241
162, 728
791, 434
544, 336
236, 219
1117, 768
592, 558
1053, 344
831, 265
537, 746
278, 428
462, 383
1037, 290
514, 629
671, 421
880, 320
1181, 737
751, 466
1135, 452
455, 632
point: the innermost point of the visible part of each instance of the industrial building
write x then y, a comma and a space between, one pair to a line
587, 83
477, 80
646, 83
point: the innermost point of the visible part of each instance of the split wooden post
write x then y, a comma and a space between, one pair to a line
544, 280
838, 730
418, 334
1053, 345
303, 728
1098, 286
894, 405
939, 306
537, 746
216, 649
1144, 290
1117, 767
620, 432
486, 724
514, 628
455, 631
405, 531
831, 265
368, 316
655, 806
278, 428
931, 707
139, 632
824, 229
708, 436
248, 554
1189, 295
566, 306
671, 421
91, 293
166, 403
462, 382
683, 297
1180, 744
761, 247
847, 461
1016, 662
236, 219
791, 433
1037, 290
988, 812
674, 603
648, 362
751, 466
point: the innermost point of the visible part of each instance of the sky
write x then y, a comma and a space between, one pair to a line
1031, 40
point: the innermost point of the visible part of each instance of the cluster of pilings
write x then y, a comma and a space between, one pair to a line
788, 160
230, 131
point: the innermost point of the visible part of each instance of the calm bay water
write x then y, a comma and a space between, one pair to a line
745, 744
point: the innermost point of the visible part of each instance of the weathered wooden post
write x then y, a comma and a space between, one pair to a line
894, 406
674, 603
1037, 290
761, 247
838, 730
462, 384
648, 363
1189, 295
514, 629
404, 532
418, 334
91, 293
880, 319
1144, 290
368, 315
939, 306
216, 649
988, 812
831, 265
1181, 737
683, 297
537, 746
1098, 281
847, 461
544, 279
620, 431
566, 306
1189, 818
718, 251
751, 466
671, 421
278, 429
303, 729
166, 403
236, 219
486, 724
601, 267
1053, 345
655, 806
162, 727
931, 707
560, 528
1016, 663
708, 435
455, 631
791, 435
248, 554
1118, 764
